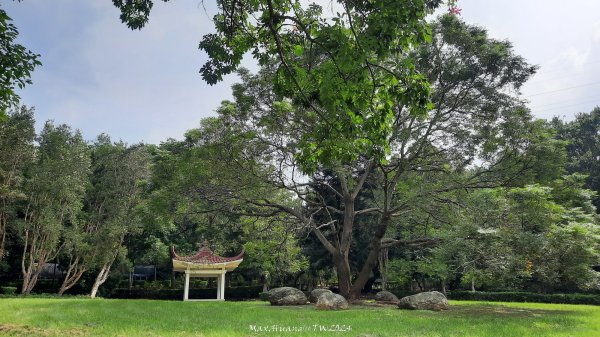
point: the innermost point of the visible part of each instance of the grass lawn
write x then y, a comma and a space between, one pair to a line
102, 317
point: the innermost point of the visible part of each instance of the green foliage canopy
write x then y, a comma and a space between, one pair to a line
336, 67
16, 64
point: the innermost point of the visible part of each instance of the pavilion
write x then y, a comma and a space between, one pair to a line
205, 264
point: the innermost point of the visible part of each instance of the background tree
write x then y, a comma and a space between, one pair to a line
119, 176
583, 149
55, 186
176, 215
541, 238
16, 154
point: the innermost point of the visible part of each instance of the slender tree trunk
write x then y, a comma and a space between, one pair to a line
105, 270
473, 284
74, 273
3, 223
30, 278
69, 284
30, 268
100, 279
383, 261
266, 283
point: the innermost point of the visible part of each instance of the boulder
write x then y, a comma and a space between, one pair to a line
316, 293
432, 300
386, 297
331, 301
286, 296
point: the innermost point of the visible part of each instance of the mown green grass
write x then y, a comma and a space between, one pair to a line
102, 317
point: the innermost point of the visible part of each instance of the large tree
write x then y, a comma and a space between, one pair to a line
477, 135
119, 175
54, 190
16, 154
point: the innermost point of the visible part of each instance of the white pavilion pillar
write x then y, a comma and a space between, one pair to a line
186, 289
219, 287
222, 285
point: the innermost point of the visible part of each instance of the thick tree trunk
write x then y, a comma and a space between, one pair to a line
340, 251
372, 258
310, 284
297, 281
344, 275
473, 284
383, 262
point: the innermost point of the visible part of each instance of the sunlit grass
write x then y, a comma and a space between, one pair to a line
84, 317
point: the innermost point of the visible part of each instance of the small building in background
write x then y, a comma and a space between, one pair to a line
205, 264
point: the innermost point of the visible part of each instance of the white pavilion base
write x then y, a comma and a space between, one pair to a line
218, 274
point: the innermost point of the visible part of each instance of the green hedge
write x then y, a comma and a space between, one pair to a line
263, 296
50, 287
515, 297
233, 293
525, 297
8, 290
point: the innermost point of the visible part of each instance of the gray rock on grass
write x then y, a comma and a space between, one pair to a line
386, 297
433, 300
316, 293
286, 296
331, 301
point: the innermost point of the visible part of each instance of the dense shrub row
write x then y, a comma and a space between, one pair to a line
8, 290
48, 287
263, 296
255, 292
525, 297
233, 293
516, 297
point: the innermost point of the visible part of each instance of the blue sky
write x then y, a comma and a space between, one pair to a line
99, 76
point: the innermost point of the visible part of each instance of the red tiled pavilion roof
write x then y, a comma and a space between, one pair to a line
205, 256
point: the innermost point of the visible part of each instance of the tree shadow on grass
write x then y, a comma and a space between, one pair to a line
26, 330
485, 311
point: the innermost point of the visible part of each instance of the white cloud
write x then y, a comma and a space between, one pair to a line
577, 57
596, 32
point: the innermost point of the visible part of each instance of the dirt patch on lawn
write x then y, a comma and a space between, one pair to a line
499, 310
25, 330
